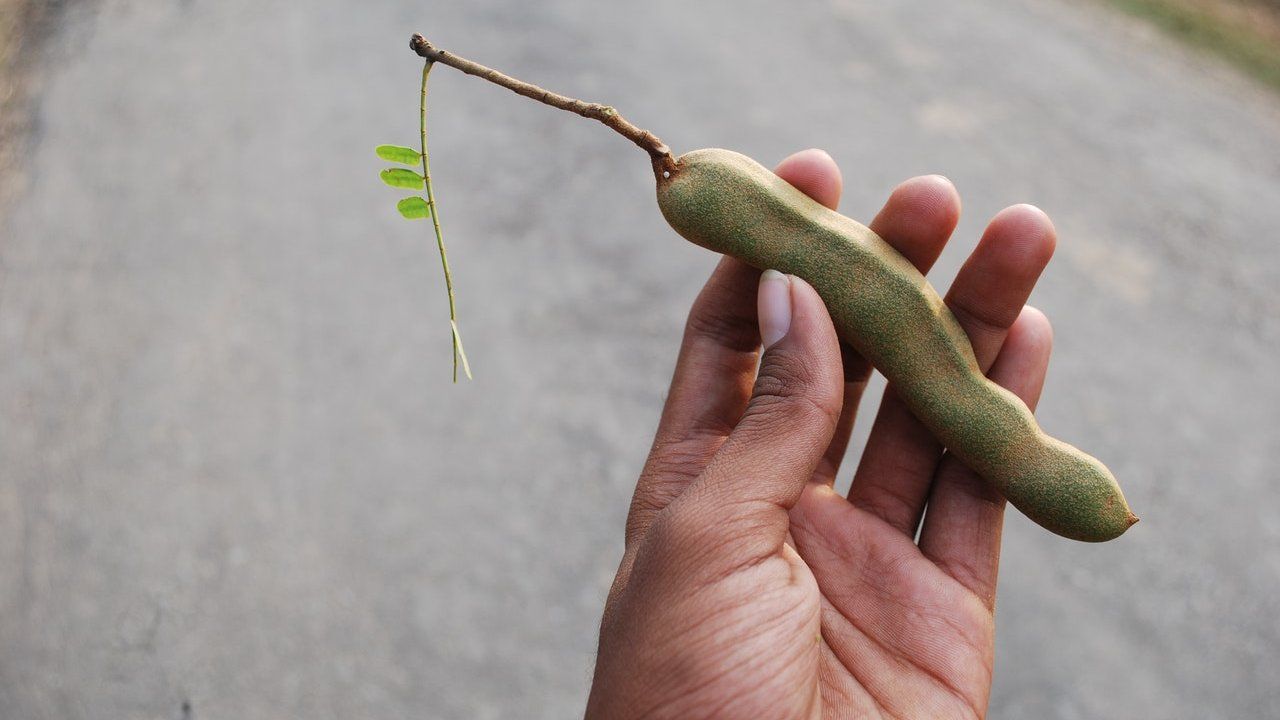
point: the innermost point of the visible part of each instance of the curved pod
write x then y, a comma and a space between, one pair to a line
884, 308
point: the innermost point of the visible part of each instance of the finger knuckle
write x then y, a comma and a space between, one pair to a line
672, 465
791, 390
735, 331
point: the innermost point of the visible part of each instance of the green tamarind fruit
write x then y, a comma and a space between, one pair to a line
885, 309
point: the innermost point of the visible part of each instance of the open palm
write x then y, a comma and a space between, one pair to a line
749, 588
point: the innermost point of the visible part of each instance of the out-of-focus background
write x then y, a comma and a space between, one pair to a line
235, 481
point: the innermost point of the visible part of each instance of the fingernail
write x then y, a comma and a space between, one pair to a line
774, 307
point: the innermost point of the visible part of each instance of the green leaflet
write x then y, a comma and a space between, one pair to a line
414, 208
402, 178
398, 154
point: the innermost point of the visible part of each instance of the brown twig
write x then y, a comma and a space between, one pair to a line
658, 151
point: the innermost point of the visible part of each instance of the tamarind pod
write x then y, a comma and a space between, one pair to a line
885, 309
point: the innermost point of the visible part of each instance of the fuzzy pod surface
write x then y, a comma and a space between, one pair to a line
885, 309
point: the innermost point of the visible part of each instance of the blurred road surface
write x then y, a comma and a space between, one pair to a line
236, 483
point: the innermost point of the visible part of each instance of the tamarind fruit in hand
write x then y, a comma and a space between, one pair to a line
880, 303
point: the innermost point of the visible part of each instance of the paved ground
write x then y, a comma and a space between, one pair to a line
235, 480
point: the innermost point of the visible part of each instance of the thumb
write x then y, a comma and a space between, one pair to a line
757, 475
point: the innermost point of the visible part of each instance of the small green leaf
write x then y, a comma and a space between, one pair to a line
402, 178
399, 154
414, 208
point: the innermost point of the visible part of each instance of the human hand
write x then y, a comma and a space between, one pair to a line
749, 588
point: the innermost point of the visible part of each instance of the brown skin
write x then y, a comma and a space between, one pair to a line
748, 588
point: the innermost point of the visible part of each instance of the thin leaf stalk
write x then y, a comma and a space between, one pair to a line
435, 222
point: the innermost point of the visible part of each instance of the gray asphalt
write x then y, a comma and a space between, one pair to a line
236, 482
